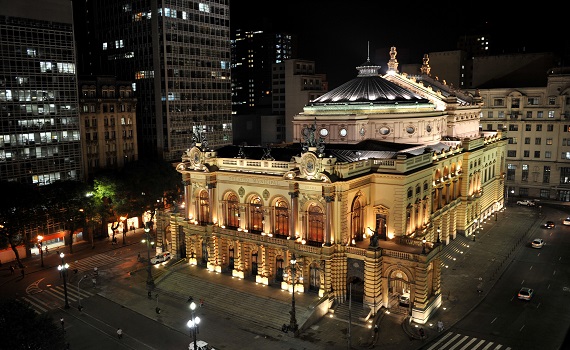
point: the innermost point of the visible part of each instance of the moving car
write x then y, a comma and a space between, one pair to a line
200, 345
162, 257
549, 224
537, 243
566, 221
526, 202
525, 293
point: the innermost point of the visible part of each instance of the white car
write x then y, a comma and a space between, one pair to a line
566, 221
537, 243
162, 257
526, 202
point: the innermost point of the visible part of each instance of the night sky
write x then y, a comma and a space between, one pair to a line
335, 34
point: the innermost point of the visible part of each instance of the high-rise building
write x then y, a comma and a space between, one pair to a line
253, 54
178, 56
39, 130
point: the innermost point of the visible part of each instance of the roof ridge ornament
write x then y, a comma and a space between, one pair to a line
311, 141
199, 138
393, 62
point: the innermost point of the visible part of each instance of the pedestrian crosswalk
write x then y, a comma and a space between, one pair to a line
456, 341
43, 300
87, 265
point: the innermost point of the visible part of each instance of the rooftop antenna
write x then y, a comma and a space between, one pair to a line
368, 58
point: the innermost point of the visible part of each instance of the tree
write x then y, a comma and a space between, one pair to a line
21, 328
21, 212
65, 201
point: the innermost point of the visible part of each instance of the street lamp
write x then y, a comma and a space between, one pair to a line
63, 269
293, 321
149, 242
193, 324
40, 237
438, 234
79, 294
424, 245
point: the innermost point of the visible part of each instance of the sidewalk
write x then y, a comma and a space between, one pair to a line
467, 266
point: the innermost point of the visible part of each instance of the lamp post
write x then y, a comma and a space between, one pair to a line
293, 321
124, 223
193, 324
40, 238
63, 268
79, 307
424, 245
438, 234
149, 242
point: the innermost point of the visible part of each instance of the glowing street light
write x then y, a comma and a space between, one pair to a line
63, 269
193, 325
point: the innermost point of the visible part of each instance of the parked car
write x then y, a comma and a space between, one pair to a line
526, 202
525, 293
566, 221
549, 224
162, 257
537, 243
404, 300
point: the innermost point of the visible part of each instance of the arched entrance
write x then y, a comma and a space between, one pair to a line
399, 288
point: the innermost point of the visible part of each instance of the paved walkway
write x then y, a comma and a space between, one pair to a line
468, 265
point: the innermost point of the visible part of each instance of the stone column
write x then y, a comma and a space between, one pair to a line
294, 217
329, 195
187, 190
211, 196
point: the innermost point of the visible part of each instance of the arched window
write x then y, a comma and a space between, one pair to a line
256, 214
232, 214
316, 224
356, 221
281, 218
204, 208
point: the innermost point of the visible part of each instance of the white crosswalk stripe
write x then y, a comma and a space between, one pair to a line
456, 341
54, 297
86, 265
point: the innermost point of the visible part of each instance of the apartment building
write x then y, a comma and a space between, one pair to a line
39, 129
108, 124
537, 123
177, 54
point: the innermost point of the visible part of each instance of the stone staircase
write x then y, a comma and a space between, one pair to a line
359, 315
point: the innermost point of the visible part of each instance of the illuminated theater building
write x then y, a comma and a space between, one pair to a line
387, 169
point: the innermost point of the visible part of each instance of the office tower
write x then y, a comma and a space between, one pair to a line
108, 123
178, 56
39, 130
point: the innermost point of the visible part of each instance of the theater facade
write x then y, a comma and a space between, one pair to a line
385, 171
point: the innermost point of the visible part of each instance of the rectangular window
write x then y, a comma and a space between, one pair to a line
515, 103
537, 141
544, 193
550, 114
546, 174
513, 140
511, 153
523, 192
549, 141
536, 154
527, 140
490, 114
529, 114
498, 102
550, 127
501, 114
538, 127
528, 127
539, 114
511, 170
547, 154
564, 175
524, 173
526, 153
513, 127
533, 101
552, 101
565, 155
